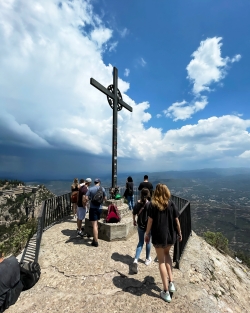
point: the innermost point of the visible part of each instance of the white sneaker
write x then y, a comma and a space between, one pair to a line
148, 261
171, 287
165, 296
135, 266
80, 233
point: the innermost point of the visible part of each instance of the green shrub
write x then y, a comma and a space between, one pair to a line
18, 237
217, 240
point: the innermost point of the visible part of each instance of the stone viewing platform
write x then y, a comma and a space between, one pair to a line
77, 277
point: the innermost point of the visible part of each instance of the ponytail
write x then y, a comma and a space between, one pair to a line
145, 195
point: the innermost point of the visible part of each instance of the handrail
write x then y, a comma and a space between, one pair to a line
186, 229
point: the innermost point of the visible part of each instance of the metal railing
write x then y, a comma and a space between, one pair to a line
122, 190
52, 211
55, 209
186, 227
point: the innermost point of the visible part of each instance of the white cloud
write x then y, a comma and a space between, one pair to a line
245, 155
207, 65
158, 115
112, 46
47, 56
100, 36
183, 110
142, 62
237, 114
124, 32
236, 58
126, 72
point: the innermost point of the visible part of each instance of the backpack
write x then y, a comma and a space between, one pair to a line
74, 197
113, 215
129, 189
29, 274
98, 197
118, 196
142, 216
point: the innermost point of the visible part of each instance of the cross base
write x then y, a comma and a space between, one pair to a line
113, 191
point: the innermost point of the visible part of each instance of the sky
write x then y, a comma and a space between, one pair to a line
183, 67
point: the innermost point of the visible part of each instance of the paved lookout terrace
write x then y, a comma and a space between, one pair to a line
77, 277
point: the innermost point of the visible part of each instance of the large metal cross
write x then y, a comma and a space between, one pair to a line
116, 103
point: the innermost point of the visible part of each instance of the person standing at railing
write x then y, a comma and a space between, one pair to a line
129, 192
163, 222
74, 193
82, 204
146, 184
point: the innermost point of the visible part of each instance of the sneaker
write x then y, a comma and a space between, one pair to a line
135, 267
165, 296
80, 233
148, 261
94, 243
171, 287
85, 235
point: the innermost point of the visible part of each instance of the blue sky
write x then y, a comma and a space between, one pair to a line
183, 66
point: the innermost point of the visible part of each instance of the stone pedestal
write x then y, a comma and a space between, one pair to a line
113, 231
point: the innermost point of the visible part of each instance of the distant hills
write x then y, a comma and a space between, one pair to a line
138, 176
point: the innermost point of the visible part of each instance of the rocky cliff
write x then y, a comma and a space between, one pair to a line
21, 201
19, 208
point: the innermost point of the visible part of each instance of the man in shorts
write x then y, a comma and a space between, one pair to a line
95, 209
82, 205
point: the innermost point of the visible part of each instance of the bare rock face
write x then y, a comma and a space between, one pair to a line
15, 208
77, 277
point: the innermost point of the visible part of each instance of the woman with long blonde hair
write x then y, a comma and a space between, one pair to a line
74, 193
164, 224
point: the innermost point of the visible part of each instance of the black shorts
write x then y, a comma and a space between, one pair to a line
94, 214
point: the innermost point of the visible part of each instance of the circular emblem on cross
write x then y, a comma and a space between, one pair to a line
111, 101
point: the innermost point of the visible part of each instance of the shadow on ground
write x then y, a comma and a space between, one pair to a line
136, 287
126, 259
76, 239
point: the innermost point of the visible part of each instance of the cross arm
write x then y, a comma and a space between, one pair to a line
125, 105
100, 87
